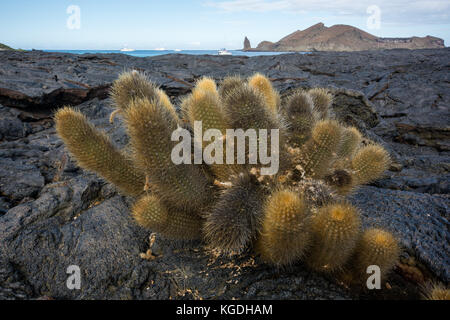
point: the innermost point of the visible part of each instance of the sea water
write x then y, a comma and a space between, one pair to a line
151, 53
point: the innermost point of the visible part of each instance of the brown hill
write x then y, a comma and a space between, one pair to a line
343, 38
4, 47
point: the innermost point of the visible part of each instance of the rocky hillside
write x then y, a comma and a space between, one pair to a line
54, 214
343, 38
4, 47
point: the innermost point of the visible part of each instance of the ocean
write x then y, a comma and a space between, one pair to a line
151, 53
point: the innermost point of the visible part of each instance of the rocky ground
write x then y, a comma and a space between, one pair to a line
53, 214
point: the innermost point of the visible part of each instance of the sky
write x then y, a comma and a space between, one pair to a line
205, 24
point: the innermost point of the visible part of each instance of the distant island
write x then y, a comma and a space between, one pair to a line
4, 47
341, 38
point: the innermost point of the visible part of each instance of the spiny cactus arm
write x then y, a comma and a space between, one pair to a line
436, 291
236, 217
319, 151
135, 85
183, 187
206, 84
336, 229
165, 101
247, 108
300, 114
150, 126
204, 105
95, 152
152, 214
376, 247
322, 100
264, 86
229, 84
369, 163
350, 141
285, 235
130, 86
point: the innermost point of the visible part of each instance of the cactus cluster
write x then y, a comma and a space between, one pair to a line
297, 214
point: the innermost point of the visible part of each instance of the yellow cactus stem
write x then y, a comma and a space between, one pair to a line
350, 141
264, 86
206, 84
322, 101
318, 152
151, 213
436, 291
376, 247
95, 152
135, 85
369, 163
130, 86
150, 126
236, 217
229, 84
177, 186
299, 111
246, 108
285, 229
204, 105
165, 101
335, 229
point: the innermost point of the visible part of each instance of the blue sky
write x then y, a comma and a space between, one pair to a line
205, 24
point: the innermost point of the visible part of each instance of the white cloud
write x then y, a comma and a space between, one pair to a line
411, 11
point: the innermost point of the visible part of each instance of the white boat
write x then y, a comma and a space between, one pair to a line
125, 49
177, 50
160, 49
224, 52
